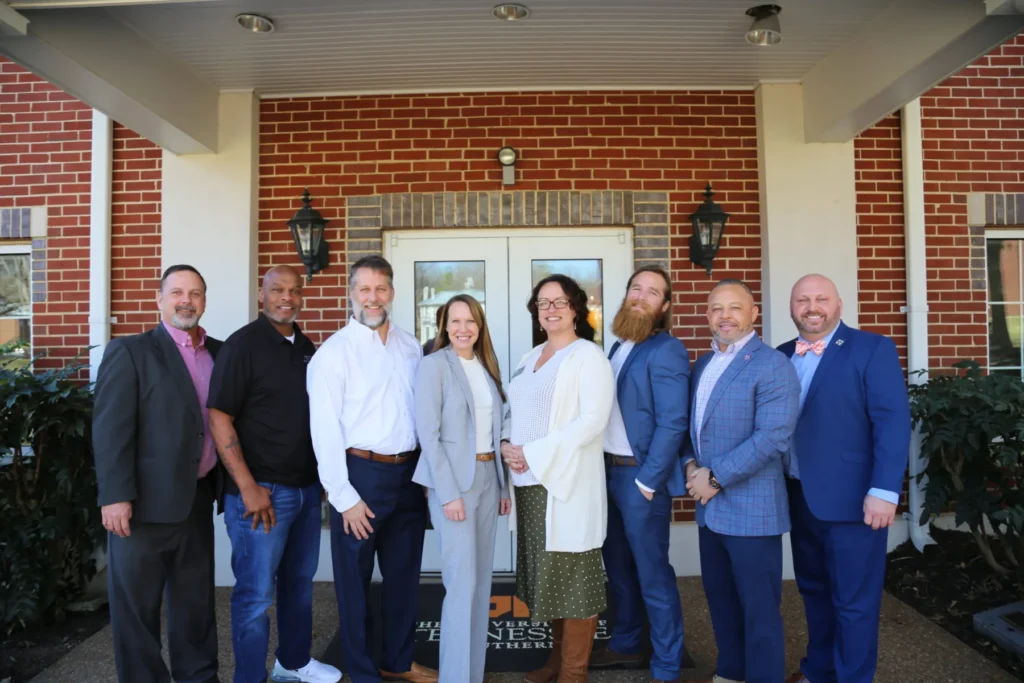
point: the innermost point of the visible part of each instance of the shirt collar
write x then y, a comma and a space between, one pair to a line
183, 338
735, 346
367, 332
828, 337
268, 325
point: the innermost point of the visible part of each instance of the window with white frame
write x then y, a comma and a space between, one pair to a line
15, 303
1004, 256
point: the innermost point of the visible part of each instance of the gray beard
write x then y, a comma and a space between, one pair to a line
384, 315
183, 325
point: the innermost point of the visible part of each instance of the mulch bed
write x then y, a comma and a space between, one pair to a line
949, 583
26, 653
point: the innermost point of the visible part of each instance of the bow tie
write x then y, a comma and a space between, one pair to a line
803, 347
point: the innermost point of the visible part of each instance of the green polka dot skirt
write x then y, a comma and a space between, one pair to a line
553, 585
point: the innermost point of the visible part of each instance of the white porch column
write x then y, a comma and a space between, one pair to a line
808, 209
210, 215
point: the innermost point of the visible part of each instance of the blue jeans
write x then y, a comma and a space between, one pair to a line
286, 558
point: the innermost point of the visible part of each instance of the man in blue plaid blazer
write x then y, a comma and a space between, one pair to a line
745, 401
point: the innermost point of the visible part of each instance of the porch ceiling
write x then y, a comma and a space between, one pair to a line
392, 46
159, 66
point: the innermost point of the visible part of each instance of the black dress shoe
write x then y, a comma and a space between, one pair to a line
608, 658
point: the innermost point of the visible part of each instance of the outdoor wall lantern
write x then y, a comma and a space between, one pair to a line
307, 226
708, 225
507, 158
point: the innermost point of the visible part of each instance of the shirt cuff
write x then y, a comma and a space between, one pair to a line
887, 496
645, 488
343, 498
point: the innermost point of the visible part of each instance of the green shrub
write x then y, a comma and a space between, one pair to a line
50, 520
972, 428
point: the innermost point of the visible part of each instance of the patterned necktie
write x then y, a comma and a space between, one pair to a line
803, 347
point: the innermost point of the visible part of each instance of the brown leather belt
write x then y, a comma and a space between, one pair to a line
399, 459
485, 457
620, 460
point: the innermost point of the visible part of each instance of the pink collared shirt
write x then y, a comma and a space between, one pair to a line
200, 366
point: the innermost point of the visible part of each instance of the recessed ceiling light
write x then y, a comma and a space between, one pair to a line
254, 23
511, 12
765, 30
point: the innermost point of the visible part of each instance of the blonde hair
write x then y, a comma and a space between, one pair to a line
483, 348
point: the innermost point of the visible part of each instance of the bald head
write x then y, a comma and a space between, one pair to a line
281, 296
815, 306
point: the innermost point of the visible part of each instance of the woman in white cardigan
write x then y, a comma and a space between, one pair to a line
459, 424
560, 398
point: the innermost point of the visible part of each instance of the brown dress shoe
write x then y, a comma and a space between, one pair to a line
606, 658
549, 672
798, 677
416, 674
577, 644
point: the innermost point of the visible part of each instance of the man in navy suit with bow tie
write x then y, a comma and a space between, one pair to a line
844, 472
644, 471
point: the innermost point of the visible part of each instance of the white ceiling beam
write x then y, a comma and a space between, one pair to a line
111, 68
66, 4
910, 47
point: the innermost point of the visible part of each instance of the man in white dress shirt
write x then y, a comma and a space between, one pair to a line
644, 471
360, 385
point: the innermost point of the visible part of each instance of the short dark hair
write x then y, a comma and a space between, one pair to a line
376, 263
735, 282
177, 269
664, 321
577, 301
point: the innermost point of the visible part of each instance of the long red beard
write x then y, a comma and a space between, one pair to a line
633, 324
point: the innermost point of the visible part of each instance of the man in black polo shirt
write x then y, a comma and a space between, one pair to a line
259, 416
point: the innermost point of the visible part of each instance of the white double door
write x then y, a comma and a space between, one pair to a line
500, 268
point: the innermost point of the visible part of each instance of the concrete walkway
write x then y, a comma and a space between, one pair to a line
913, 650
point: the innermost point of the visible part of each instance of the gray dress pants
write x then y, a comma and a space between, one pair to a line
468, 551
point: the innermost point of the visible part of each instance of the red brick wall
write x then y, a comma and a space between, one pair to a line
973, 142
881, 258
44, 160
45, 156
671, 142
135, 233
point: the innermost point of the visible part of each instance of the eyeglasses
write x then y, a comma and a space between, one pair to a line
544, 304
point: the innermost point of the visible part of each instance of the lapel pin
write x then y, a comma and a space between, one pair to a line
839, 342
746, 357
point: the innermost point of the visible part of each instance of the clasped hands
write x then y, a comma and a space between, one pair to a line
514, 457
698, 483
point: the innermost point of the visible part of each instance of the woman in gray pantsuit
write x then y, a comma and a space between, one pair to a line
459, 421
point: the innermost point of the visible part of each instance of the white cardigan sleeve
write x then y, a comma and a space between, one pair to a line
555, 459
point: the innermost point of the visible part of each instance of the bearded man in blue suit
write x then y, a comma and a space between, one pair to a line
844, 472
644, 471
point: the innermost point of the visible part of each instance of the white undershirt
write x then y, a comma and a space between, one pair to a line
615, 440
483, 403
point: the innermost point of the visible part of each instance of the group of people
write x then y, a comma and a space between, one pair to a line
585, 452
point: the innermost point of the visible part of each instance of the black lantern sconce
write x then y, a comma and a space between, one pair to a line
307, 226
708, 225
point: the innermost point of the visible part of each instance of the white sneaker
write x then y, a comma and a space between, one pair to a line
314, 672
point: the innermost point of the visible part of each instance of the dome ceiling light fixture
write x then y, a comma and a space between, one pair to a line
255, 23
511, 12
765, 31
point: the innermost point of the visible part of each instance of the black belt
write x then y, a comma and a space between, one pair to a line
620, 460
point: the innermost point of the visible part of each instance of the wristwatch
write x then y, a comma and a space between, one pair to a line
714, 482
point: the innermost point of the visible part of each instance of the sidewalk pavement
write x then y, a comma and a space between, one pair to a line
912, 649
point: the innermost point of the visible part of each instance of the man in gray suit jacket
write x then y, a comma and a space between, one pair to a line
158, 476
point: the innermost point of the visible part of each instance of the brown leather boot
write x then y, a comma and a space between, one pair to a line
577, 644
549, 672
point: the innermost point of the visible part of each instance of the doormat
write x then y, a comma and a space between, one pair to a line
514, 642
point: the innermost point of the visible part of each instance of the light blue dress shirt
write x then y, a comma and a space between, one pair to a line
806, 365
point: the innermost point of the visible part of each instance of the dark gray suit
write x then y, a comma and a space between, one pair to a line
148, 435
